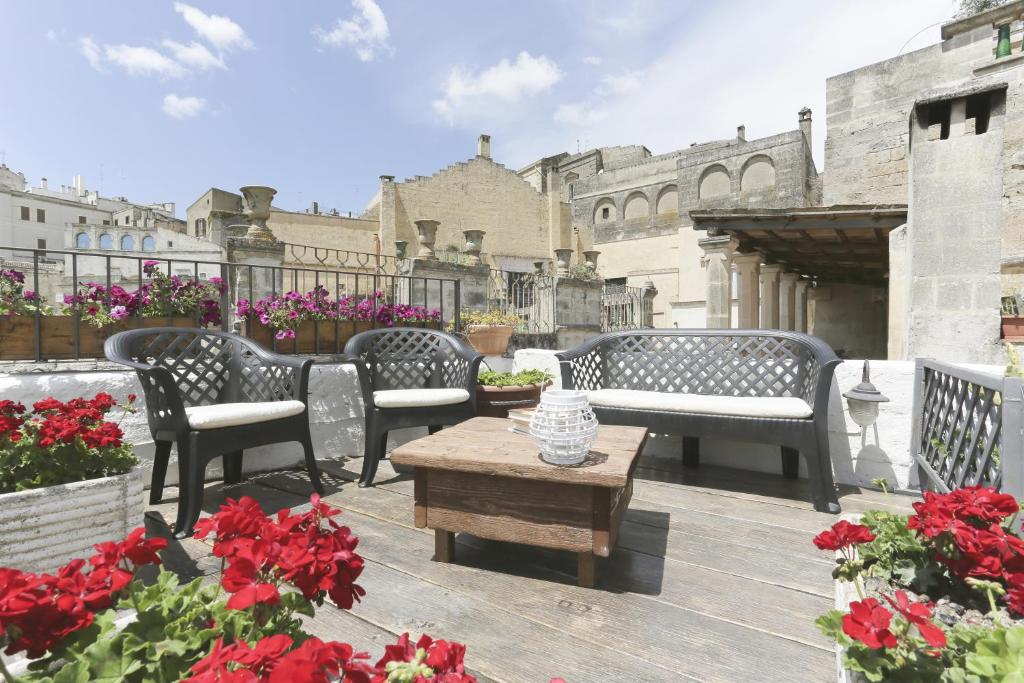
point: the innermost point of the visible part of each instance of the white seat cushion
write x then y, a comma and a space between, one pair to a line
419, 398
234, 414
741, 406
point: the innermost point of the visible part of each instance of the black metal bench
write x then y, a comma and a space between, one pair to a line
769, 386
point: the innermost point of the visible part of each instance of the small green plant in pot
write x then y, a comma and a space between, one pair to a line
499, 392
490, 331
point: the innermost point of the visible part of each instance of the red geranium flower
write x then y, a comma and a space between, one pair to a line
920, 615
868, 622
842, 535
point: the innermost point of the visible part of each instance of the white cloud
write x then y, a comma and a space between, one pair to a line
195, 55
579, 114
622, 84
366, 31
466, 92
592, 60
183, 107
142, 61
221, 32
91, 51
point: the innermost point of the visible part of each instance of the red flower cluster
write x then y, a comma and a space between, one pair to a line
309, 551
38, 611
78, 418
966, 528
842, 535
272, 659
443, 658
11, 419
870, 622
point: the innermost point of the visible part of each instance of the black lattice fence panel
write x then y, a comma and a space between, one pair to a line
967, 428
531, 296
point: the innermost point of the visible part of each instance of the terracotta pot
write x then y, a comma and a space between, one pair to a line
323, 337
57, 335
490, 340
1012, 328
497, 401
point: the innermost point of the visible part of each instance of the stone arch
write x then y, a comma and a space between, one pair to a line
106, 241
758, 173
668, 201
605, 211
127, 243
715, 181
82, 241
636, 208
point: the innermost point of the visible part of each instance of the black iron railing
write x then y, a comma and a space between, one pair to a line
94, 293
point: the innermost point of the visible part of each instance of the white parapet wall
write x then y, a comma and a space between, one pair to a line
858, 456
335, 405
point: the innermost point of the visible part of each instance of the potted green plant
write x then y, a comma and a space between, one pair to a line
499, 392
68, 480
490, 331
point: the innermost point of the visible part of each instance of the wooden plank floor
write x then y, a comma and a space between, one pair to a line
714, 578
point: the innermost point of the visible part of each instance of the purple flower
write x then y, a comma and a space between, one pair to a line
118, 312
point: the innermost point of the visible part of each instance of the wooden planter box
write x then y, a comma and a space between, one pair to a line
332, 336
497, 401
42, 529
57, 335
1012, 328
490, 340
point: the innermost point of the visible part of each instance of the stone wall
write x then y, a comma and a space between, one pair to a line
577, 310
851, 318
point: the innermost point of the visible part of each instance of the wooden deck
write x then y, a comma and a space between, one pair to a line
714, 578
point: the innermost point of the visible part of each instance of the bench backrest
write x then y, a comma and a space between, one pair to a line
766, 363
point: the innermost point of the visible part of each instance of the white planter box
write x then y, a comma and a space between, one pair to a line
43, 528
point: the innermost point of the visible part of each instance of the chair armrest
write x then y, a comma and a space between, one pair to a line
823, 388
363, 374
165, 410
299, 390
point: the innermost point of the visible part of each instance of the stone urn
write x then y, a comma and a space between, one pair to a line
563, 257
590, 258
474, 244
256, 200
426, 233
539, 267
400, 247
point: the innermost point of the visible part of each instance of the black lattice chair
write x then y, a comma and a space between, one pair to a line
769, 386
411, 377
215, 394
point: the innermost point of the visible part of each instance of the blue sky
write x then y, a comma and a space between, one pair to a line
159, 100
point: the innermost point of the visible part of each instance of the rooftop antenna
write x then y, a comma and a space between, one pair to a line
916, 35
577, 145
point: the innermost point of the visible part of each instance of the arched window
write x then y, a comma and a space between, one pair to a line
637, 207
200, 227
758, 173
715, 182
604, 211
127, 243
82, 241
106, 241
148, 243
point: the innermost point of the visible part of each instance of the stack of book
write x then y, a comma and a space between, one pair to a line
520, 420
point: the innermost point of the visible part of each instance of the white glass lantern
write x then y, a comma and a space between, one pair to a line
564, 427
863, 400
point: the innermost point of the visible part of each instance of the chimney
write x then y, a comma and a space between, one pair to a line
387, 179
316, 207
483, 146
804, 117
43, 184
741, 133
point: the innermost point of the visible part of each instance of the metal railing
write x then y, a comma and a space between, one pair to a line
625, 308
531, 296
76, 270
325, 258
967, 428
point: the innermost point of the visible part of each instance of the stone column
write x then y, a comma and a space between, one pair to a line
650, 292
770, 295
787, 300
718, 264
749, 268
800, 318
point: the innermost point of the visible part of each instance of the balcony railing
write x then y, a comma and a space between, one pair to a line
95, 295
625, 308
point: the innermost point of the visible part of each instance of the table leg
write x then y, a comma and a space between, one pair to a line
444, 545
586, 570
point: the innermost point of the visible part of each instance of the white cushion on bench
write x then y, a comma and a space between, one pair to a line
235, 414
418, 398
742, 406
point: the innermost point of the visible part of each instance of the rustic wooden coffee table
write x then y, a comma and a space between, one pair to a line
479, 478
